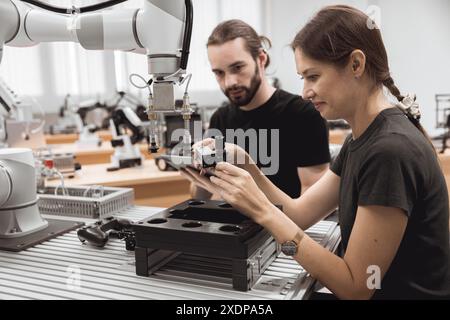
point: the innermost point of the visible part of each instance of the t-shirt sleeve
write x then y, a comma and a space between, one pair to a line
389, 176
336, 165
312, 148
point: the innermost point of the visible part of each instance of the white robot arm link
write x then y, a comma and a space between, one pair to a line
157, 29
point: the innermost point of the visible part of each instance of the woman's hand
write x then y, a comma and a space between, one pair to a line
234, 154
237, 187
199, 179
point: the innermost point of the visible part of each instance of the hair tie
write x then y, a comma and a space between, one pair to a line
410, 106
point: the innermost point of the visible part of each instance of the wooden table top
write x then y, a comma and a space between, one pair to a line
96, 174
76, 149
86, 155
104, 135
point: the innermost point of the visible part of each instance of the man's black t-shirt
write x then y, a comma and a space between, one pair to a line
392, 164
303, 136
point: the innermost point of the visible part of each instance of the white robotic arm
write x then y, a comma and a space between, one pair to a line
9, 100
161, 29
13, 104
156, 29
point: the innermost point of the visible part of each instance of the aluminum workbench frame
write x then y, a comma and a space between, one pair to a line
63, 268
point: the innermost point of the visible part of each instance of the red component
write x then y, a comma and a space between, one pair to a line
49, 163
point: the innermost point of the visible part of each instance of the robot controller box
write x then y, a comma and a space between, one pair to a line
210, 229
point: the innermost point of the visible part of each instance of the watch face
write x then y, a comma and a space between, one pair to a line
289, 248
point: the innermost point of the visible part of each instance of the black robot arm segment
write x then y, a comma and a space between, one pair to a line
126, 118
187, 34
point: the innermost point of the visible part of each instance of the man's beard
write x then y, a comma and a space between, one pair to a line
247, 93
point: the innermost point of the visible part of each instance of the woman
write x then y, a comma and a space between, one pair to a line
387, 182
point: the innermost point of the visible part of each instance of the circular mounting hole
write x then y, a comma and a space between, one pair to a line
192, 224
196, 203
157, 221
225, 205
229, 228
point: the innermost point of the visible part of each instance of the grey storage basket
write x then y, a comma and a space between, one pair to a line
85, 201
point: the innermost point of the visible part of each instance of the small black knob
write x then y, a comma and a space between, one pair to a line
153, 148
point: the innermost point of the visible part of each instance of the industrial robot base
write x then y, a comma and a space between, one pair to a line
55, 228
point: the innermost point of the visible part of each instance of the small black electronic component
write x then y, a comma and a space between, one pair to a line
208, 157
101, 231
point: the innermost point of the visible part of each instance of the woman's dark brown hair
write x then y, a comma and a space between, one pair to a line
335, 32
233, 29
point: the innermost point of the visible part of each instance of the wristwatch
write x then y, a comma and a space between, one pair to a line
290, 247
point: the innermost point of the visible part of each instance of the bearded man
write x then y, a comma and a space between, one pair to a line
238, 59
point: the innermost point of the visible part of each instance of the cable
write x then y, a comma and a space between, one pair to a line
173, 74
90, 8
94, 194
187, 34
41, 126
188, 78
48, 7
186, 39
65, 192
147, 83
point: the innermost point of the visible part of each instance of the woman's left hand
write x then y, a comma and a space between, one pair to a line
199, 179
237, 187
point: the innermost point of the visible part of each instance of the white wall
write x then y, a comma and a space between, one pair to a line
416, 35
286, 17
417, 38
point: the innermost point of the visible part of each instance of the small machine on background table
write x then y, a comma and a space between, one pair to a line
443, 118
